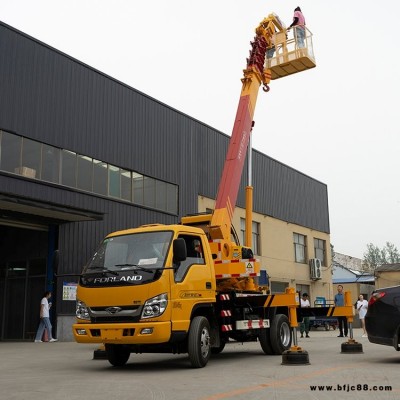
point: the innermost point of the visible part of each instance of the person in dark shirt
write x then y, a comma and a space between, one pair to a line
339, 302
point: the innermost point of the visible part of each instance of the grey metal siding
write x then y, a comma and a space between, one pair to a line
48, 96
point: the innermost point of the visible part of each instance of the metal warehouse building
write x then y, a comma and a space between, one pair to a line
82, 154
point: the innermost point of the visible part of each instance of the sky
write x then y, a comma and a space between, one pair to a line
337, 123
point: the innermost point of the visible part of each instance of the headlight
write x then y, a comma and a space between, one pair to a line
155, 306
82, 311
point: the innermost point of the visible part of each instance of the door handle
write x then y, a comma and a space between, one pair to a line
208, 285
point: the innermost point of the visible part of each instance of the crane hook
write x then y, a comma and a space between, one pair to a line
266, 88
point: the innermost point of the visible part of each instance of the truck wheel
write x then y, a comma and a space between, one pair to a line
280, 334
199, 347
117, 354
265, 341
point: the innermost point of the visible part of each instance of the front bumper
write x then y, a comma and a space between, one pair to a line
138, 333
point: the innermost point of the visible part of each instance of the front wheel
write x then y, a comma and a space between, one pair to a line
280, 334
199, 347
117, 354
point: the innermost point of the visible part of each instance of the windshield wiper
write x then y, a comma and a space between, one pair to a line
135, 266
102, 270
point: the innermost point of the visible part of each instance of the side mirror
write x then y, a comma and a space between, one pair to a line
179, 249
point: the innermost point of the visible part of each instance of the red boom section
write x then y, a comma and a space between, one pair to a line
232, 172
220, 227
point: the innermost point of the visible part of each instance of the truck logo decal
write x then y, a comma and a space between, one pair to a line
190, 295
113, 310
108, 279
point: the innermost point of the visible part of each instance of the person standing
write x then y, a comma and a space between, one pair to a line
299, 24
45, 319
362, 307
305, 324
339, 302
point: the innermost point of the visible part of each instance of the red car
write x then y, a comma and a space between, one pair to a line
383, 317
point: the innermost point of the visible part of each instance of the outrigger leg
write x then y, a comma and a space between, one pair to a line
295, 355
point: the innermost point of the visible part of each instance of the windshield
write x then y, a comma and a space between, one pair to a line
138, 251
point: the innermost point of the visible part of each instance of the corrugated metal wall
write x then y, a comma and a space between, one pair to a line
48, 96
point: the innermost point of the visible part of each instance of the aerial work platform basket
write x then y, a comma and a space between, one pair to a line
293, 52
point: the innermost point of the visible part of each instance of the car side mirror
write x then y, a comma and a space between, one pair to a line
179, 249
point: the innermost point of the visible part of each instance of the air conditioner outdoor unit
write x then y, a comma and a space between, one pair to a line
315, 268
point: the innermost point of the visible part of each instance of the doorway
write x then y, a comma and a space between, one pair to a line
23, 280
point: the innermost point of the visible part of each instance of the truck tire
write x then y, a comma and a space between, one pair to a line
280, 334
117, 354
265, 341
199, 347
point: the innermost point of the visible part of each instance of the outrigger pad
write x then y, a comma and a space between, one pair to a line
99, 355
300, 357
352, 347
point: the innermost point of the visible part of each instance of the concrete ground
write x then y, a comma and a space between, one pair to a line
66, 370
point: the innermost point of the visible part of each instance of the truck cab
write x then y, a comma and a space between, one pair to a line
143, 287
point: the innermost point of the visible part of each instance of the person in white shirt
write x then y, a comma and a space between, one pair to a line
45, 319
305, 324
362, 307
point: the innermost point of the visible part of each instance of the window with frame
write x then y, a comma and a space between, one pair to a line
195, 256
319, 249
299, 242
114, 181
149, 191
255, 235
137, 188
278, 287
10, 152
50, 164
36, 160
85, 173
100, 177
303, 289
31, 157
126, 185
68, 168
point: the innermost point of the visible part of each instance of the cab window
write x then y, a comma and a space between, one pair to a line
195, 256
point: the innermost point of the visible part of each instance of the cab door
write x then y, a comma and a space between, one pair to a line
193, 282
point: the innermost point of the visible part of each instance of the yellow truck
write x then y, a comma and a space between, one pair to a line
190, 288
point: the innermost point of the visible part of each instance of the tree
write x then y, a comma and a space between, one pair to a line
332, 257
392, 254
374, 257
